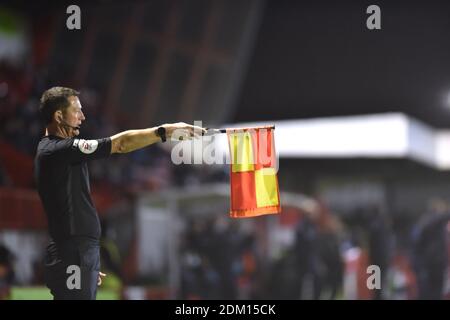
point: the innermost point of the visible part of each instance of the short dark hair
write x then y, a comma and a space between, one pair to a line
56, 98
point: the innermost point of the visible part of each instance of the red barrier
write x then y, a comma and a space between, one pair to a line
18, 165
21, 209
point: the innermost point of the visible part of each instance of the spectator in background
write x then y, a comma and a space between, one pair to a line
430, 252
199, 279
6, 271
309, 263
331, 260
110, 259
379, 238
371, 230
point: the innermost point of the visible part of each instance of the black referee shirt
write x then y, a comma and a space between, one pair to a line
62, 179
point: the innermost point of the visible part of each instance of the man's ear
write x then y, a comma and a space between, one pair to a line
58, 116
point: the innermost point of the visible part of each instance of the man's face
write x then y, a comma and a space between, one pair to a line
73, 116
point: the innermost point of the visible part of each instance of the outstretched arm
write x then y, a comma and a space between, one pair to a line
131, 140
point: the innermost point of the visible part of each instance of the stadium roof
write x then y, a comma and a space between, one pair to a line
390, 135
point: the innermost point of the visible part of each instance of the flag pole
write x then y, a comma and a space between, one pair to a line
213, 131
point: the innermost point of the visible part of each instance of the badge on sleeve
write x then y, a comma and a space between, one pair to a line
86, 146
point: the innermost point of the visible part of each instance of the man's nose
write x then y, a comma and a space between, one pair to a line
82, 116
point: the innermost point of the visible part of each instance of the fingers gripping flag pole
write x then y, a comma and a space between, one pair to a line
253, 171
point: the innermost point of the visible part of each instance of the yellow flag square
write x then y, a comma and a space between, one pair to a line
266, 187
241, 152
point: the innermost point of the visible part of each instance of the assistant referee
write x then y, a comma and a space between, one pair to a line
72, 261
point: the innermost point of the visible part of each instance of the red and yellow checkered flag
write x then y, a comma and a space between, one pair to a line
253, 174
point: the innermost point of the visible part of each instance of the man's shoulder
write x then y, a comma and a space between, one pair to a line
49, 145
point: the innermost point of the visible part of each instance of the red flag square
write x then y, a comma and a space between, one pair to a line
243, 191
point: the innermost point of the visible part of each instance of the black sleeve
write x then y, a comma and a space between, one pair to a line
78, 150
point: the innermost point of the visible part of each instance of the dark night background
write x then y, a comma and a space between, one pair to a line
317, 58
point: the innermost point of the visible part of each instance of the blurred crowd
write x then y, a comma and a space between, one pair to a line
209, 273
328, 258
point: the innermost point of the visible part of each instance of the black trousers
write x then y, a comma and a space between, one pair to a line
72, 268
